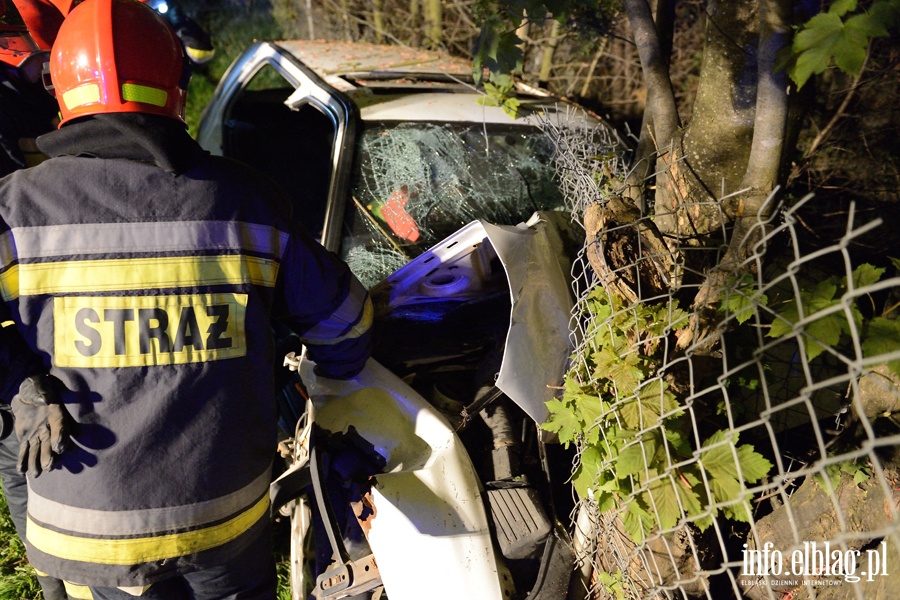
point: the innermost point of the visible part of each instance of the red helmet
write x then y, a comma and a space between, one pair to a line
114, 56
43, 18
16, 44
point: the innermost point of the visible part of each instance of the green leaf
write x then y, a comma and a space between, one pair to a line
754, 466
677, 439
826, 330
623, 370
821, 297
703, 523
496, 49
814, 45
590, 408
866, 274
587, 472
833, 473
725, 488
690, 499
717, 458
511, 107
741, 511
665, 500
882, 337
637, 521
842, 7
562, 421
637, 458
781, 326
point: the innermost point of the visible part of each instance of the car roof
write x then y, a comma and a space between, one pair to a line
347, 65
395, 83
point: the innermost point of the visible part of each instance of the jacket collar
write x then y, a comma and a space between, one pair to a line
134, 136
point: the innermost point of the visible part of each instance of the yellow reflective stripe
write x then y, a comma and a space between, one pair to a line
133, 92
136, 274
83, 94
80, 592
9, 283
134, 551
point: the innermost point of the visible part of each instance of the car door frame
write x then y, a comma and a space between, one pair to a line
309, 88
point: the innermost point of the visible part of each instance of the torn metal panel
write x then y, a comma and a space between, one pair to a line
537, 345
535, 267
431, 529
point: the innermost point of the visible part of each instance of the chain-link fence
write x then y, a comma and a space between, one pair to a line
762, 466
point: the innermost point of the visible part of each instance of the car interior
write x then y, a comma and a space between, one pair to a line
293, 147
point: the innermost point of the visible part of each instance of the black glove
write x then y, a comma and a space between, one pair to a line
42, 423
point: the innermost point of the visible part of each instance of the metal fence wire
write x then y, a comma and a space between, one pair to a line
765, 468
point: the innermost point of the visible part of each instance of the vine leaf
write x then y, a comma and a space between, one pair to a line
665, 500
563, 422
882, 337
840, 36
587, 471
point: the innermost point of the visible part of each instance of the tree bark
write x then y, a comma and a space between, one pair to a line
717, 141
750, 210
661, 121
547, 55
378, 20
660, 96
414, 13
434, 18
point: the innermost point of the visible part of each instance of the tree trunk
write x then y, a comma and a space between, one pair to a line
660, 96
434, 18
717, 141
414, 14
547, 55
378, 20
345, 17
765, 163
750, 209
661, 120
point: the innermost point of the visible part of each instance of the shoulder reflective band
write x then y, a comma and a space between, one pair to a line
69, 277
134, 551
350, 320
171, 237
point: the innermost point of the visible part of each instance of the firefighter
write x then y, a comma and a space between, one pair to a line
27, 29
147, 274
197, 42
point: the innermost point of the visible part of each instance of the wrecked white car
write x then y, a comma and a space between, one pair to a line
385, 151
427, 476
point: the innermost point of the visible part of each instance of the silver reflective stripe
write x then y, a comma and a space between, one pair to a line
141, 522
173, 236
356, 310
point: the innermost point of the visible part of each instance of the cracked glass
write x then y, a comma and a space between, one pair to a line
416, 183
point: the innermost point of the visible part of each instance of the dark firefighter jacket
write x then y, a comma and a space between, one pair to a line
146, 274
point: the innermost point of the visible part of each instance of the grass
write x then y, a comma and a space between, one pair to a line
18, 581
17, 578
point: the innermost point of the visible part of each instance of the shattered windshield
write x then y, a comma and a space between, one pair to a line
416, 183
